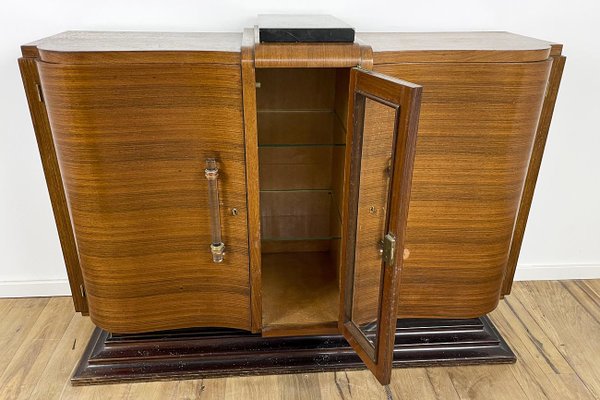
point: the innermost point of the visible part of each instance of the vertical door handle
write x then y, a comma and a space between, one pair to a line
217, 247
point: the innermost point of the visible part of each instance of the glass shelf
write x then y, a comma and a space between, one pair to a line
299, 167
302, 145
300, 128
299, 214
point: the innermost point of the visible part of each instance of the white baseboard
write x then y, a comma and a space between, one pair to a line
557, 272
60, 287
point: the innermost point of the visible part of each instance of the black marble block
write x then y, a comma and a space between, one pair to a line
273, 28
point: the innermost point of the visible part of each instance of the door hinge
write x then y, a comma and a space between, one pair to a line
389, 249
82, 290
40, 93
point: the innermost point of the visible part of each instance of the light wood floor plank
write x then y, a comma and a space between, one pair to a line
442, 384
586, 296
411, 383
300, 386
5, 305
566, 322
97, 392
350, 385
31, 357
484, 382
254, 387
593, 284
205, 389
537, 358
17, 320
153, 391
553, 327
66, 355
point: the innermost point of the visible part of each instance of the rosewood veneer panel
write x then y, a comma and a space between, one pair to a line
476, 131
131, 143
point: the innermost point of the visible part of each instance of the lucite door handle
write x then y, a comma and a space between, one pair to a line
217, 247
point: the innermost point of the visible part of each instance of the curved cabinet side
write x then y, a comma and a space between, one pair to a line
41, 126
131, 142
476, 131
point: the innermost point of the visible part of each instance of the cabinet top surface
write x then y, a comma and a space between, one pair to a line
391, 47
450, 41
96, 41
388, 44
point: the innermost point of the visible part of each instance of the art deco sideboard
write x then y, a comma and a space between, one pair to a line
231, 206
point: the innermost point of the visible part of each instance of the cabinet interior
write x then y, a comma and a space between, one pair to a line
302, 117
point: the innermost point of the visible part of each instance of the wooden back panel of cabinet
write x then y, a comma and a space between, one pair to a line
476, 130
131, 141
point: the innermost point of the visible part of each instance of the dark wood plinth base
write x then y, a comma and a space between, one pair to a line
206, 353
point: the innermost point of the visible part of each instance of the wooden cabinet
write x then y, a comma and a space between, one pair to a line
131, 144
352, 184
475, 138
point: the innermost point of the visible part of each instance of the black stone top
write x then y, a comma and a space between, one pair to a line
303, 29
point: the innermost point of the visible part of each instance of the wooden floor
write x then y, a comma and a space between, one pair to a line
553, 327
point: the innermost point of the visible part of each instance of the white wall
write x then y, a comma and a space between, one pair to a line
563, 235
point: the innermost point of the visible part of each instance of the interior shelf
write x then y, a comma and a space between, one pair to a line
299, 166
299, 215
299, 289
301, 118
302, 145
293, 128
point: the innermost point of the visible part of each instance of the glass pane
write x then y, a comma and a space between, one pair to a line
371, 214
300, 128
299, 215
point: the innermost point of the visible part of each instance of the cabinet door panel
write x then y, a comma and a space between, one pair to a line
476, 131
132, 141
385, 113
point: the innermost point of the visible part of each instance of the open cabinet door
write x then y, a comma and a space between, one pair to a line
385, 113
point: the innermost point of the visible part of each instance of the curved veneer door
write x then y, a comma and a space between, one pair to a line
132, 142
476, 131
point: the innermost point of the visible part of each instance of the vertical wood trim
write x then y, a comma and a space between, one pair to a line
366, 57
405, 97
252, 180
43, 134
533, 170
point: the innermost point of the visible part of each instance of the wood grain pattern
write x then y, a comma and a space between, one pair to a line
482, 99
82, 47
535, 161
17, 320
306, 55
476, 133
579, 324
300, 137
396, 47
43, 135
405, 98
36, 349
389, 47
372, 213
550, 362
301, 167
252, 177
303, 127
313, 89
65, 354
132, 143
299, 290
